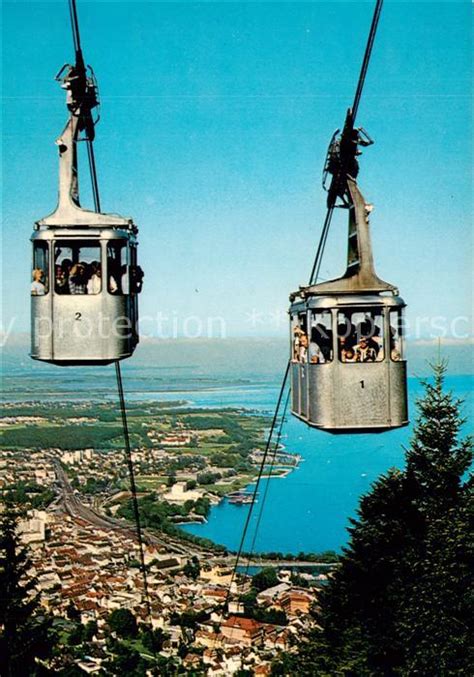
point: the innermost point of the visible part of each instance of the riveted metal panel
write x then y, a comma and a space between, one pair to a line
362, 395
398, 393
91, 328
295, 388
321, 401
41, 327
304, 386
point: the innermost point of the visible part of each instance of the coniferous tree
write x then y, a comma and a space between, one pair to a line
400, 603
435, 623
25, 633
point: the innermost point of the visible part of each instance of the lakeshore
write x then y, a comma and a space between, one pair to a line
307, 512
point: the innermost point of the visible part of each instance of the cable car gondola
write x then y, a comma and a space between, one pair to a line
84, 306
348, 368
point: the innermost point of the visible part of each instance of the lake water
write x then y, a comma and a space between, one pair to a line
308, 510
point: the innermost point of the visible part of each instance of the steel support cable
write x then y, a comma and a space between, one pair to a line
133, 486
93, 173
257, 484
321, 246
75, 25
123, 411
267, 485
366, 59
126, 434
265, 493
355, 106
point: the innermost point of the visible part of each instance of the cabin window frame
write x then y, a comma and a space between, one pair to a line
75, 245
39, 245
378, 312
312, 313
400, 324
124, 245
298, 319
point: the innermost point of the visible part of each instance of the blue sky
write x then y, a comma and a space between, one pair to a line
215, 123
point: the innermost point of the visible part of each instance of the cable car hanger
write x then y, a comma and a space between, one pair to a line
342, 165
82, 99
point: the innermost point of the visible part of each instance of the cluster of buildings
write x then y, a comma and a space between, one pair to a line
182, 438
178, 436
76, 564
17, 466
8, 421
81, 565
96, 570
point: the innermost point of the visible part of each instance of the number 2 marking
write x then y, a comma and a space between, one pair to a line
78, 316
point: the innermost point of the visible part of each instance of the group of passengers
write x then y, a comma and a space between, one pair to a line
81, 278
77, 278
361, 343
317, 349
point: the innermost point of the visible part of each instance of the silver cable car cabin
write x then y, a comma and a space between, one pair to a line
348, 368
84, 306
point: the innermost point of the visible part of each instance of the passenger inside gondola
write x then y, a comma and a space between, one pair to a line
348, 355
38, 287
320, 347
300, 340
78, 279
364, 351
114, 277
77, 268
368, 331
40, 277
297, 332
303, 356
346, 339
360, 336
396, 343
61, 279
136, 279
325, 341
315, 352
321, 337
94, 284
395, 352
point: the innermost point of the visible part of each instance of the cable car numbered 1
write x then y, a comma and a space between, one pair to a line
84, 306
348, 368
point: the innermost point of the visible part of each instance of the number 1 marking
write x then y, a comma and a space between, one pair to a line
362, 384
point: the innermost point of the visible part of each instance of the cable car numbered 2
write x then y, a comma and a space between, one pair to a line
84, 306
347, 363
